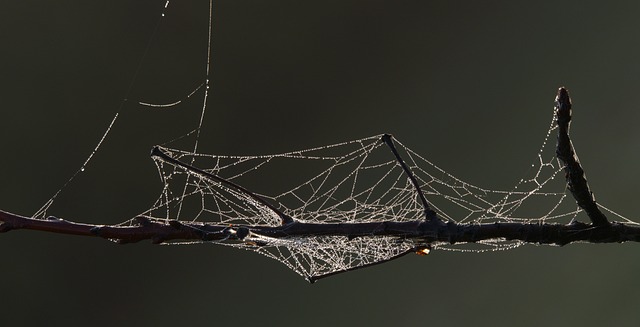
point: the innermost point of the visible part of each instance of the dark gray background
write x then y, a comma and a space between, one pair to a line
468, 84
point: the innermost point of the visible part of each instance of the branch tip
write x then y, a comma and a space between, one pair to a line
563, 106
563, 97
156, 151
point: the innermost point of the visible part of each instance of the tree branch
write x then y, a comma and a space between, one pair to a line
576, 178
429, 231
428, 212
144, 230
159, 153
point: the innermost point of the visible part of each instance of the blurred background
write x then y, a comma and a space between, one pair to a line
469, 85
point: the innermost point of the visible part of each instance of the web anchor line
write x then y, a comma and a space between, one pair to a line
331, 235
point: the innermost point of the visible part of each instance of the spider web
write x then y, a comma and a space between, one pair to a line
358, 181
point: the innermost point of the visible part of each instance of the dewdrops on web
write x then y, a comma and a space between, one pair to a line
358, 181
165, 7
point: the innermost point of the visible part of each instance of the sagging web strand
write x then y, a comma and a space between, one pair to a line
42, 212
351, 182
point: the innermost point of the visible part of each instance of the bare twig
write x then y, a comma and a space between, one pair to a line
430, 215
576, 178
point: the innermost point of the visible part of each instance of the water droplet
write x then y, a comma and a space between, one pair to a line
81, 168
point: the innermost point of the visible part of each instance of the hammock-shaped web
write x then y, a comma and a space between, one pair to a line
360, 181
352, 182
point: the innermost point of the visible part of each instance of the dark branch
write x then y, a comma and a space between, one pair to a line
576, 179
145, 230
429, 214
427, 232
